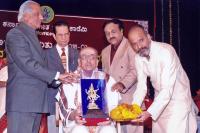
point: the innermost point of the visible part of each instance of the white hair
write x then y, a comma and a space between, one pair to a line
25, 8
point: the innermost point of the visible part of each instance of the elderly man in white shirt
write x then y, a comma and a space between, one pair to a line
72, 121
172, 110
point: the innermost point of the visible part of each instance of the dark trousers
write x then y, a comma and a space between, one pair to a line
23, 122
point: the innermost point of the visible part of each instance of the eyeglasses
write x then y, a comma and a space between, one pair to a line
89, 57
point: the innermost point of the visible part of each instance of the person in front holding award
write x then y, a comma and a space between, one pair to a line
172, 110
72, 120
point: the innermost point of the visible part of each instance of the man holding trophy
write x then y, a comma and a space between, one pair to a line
87, 98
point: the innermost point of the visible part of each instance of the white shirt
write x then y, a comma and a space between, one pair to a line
59, 49
4, 73
3, 77
71, 90
170, 82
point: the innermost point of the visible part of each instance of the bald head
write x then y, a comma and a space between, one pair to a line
88, 50
88, 59
140, 40
137, 26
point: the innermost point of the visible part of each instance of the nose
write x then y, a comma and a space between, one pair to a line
88, 60
139, 46
111, 35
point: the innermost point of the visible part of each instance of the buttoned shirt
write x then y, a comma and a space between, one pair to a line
59, 49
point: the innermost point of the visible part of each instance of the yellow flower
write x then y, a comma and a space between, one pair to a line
125, 112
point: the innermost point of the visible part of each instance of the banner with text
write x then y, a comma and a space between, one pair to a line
85, 31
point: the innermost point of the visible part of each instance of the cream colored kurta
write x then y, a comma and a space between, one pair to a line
172, 110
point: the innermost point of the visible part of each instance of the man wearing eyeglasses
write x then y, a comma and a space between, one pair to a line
61, 58
73, 122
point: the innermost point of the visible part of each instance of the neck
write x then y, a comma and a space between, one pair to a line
88, 73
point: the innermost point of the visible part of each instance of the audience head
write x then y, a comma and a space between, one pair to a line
3, 62
88, 59
30, 13
61, 33
113, 30
140, 40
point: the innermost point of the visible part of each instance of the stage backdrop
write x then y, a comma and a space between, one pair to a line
85, 31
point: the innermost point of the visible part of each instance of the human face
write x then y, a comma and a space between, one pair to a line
113, 34
34, 18
88, 60
62, 35
140, 41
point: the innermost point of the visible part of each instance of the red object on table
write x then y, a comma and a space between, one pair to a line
94, 121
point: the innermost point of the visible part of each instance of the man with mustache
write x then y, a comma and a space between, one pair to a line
172, 110
117, 61
54, 57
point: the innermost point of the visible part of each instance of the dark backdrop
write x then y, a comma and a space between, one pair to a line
181, 28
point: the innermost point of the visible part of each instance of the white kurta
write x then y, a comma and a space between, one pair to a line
72, 90
172, 110
3, 77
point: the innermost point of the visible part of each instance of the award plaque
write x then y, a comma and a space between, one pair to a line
94, 106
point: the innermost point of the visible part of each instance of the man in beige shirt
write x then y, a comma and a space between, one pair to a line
118, 61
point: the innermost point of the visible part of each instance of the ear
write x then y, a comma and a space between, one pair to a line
148, 36
122, 31
79, 62
98, 61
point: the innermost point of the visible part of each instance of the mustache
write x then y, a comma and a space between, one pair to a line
112, 38
142, 49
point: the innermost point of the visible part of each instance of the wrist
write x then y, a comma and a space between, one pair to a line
57, 76
122, 87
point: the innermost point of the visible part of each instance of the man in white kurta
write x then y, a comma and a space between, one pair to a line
172, 110
88, 62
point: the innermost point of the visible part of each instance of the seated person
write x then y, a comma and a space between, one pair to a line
72, 121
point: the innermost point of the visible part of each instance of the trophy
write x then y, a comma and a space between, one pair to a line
92, 96
94, 107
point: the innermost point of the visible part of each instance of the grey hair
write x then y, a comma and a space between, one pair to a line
25, 8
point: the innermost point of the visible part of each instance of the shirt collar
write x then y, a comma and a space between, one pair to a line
93, 74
